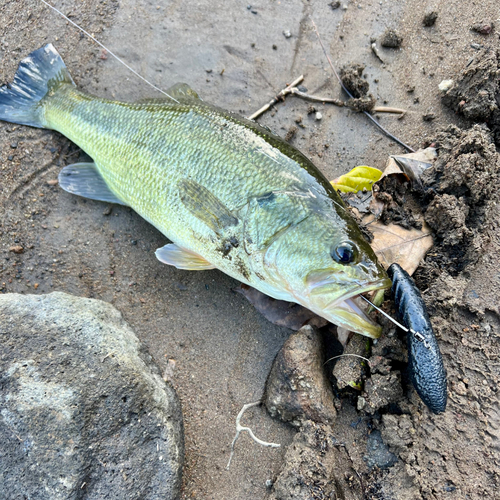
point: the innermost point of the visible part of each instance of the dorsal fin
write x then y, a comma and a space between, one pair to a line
180, 90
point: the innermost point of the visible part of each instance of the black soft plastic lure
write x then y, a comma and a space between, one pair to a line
426, 368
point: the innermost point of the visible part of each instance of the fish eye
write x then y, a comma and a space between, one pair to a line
344, 253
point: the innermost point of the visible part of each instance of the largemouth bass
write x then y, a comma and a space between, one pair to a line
227, 192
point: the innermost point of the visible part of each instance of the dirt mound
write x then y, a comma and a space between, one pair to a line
476, 91
459, 191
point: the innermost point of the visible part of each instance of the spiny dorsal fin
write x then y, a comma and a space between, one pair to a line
83, 179
180, 90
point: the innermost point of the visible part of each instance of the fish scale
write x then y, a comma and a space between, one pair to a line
228, 193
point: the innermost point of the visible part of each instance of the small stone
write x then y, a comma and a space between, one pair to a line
361, 403
107, 210
428, 117
430, 18
318, 116
13, 145
483, 28
460, 389
275, 47
300, 364
287, 33
391, 39
16, 249
334, 5
446, 85
269, 484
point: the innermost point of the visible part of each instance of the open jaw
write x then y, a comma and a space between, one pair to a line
349, 311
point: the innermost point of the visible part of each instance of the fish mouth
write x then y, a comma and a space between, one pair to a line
350, 310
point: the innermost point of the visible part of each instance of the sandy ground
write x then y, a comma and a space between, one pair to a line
216, 348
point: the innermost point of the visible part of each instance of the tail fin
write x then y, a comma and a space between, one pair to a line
39, 73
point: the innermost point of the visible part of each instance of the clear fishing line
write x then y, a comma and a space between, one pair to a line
109, 51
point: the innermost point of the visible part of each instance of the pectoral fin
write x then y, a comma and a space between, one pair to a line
182, 259
205, 206
83, 179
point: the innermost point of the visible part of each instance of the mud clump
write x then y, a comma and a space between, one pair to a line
430, 18
447, 215
391, 39
315, 467
352, 78
476, 92
397, 205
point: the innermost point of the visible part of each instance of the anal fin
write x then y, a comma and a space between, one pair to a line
181, 258
83, 179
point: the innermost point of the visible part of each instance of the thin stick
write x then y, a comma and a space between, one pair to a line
387, 109
284, 92
350, 95
315, 98
240, 428
109, 51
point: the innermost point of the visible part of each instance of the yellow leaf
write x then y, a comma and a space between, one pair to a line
357, 179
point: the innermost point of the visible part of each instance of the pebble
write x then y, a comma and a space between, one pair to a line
287, 33
318, 116
335, 5
446, 85
483, 28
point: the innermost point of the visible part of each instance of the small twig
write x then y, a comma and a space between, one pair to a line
350, 95
314, 98
342, 355
386, 109
278, 97
240, 428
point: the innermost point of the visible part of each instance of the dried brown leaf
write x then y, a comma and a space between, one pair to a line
394, 244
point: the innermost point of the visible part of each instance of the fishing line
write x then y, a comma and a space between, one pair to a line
109, 51
124, 63
417, 335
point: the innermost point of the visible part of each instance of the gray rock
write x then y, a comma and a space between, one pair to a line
83, 410
297, 388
